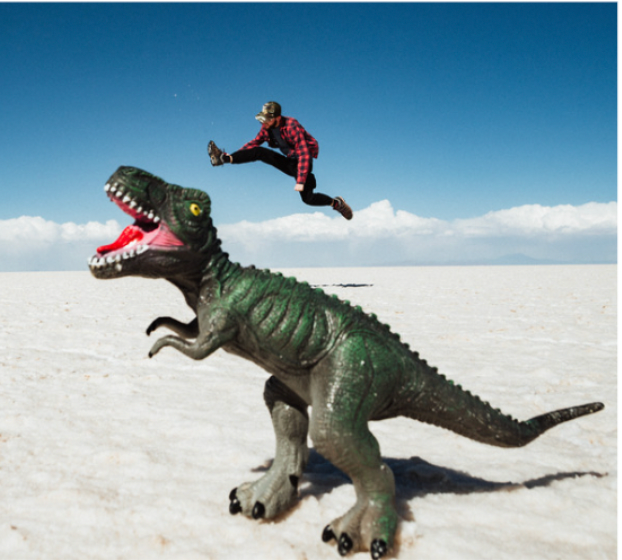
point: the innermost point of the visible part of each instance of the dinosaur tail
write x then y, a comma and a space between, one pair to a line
438, 401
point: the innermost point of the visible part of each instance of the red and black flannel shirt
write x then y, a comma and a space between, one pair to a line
304, 146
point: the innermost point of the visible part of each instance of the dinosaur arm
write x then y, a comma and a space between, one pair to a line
197, 350
213, 334
185, 330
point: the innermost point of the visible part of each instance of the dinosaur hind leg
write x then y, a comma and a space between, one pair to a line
276, 491
344, 393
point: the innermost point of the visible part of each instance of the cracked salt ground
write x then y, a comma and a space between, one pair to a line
107, 454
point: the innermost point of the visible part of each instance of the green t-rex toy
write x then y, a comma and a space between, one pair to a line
320, 351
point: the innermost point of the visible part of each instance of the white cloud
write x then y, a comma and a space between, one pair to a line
33, 243
381, 235
530, 220
377, 235
36, 230
380, 220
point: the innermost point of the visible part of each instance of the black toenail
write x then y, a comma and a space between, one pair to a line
234, 505
327, 534
259, 510
345, 544
378, 549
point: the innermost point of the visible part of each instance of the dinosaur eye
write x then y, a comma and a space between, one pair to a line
195, 209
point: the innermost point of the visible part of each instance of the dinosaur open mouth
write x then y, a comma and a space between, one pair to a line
148, 231
129, 237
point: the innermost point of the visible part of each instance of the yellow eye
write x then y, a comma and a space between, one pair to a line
195, 209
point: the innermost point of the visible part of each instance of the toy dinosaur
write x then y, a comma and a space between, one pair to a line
320, 351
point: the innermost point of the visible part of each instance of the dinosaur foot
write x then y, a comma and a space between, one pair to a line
264, 499
259, 510
370, 527
378, 547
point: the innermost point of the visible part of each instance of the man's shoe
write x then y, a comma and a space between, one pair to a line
215, 154
341, 206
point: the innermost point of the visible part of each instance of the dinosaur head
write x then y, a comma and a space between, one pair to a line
172, 233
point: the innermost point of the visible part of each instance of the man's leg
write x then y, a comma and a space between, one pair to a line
289, 166
282, 163
286, 165
312, 198
318, 199
308, 194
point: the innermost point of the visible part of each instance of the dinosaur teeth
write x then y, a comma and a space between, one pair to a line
117, 260
117, 190
96, 262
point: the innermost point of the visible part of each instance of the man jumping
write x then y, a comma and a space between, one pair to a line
298, 148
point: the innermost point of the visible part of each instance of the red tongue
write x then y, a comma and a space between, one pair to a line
129, 234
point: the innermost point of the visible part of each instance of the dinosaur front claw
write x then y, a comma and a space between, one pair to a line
155, 348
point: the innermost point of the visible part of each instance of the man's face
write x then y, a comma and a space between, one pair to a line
271, 123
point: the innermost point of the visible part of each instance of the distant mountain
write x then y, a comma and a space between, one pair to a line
505, 260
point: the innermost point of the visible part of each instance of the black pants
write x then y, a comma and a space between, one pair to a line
286, 165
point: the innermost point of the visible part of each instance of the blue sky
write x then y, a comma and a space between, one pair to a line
450, 112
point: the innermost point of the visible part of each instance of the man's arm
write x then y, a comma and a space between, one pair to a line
261, 137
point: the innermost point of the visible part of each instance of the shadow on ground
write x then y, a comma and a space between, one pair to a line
415, 478
341, 285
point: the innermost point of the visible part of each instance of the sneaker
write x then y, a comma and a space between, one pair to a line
216, 155
342, 207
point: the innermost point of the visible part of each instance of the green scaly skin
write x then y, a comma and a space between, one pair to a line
320, 352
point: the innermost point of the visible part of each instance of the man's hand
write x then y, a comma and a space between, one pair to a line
299, 187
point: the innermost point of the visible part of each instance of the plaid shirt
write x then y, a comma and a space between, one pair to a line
304, 146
